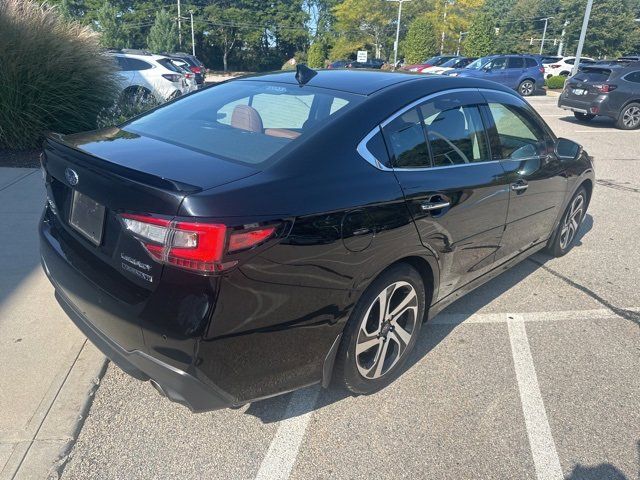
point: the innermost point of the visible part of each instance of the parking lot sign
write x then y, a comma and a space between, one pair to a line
362, 56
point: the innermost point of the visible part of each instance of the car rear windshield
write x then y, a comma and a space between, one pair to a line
592, 75
243, 121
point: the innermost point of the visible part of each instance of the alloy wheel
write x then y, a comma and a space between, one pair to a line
386, 330
526, 88
572, 221
631, 117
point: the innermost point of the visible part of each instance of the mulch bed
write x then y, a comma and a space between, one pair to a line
22, 158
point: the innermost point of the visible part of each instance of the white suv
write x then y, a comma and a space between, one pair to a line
563, 66
143, 74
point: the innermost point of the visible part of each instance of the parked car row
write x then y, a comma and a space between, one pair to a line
374, 63
143, 75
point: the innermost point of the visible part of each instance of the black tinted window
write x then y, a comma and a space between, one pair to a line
456, 135
530, 62
516, 62
244, 121
519, 136
122, 63
592, 75
633, 77
405, 137
135, 64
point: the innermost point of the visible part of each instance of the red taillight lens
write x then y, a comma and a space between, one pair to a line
605, 88
195, 69
172, 77
244, 240
191, 245
188, 75
541, 69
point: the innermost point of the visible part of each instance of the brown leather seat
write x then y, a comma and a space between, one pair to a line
282, 132
245, 117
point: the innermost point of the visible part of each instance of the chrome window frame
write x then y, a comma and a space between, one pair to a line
370, 158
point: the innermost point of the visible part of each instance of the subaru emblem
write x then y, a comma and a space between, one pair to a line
71, 176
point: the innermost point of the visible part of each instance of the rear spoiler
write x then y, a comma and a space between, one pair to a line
56, 142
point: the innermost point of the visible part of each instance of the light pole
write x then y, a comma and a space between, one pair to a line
564, 32
193, 37
395, 44
583, 34
444, 24
460, 41
544, 33
179, 27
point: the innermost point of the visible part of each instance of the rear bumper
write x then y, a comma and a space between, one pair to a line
599, 105
185, 387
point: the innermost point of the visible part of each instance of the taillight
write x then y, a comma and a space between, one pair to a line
605, 88
541, 69
555, 66
195, 69
188, 75
172, 77
192, 245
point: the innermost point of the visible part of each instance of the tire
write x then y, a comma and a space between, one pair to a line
564, 74
371, 334
584, 117
136, 96
629, 118
527, 88
563, 239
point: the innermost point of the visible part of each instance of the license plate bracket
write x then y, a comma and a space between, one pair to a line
579, 91
87, 217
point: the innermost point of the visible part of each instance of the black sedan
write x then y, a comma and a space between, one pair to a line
282, 230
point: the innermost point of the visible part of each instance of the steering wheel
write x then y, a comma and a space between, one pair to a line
456, 149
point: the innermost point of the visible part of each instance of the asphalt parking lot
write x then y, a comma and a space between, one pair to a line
534, 375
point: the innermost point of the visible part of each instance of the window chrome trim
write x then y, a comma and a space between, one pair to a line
370, 158
367, 155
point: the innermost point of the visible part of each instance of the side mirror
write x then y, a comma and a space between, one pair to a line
567, 149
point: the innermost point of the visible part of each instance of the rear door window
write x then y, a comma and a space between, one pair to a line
406, 140
515, 62
456, 135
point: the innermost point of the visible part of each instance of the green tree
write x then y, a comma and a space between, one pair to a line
366, 21
421, 41
480, 40
109, 25
317, 54
612, 29
163, 36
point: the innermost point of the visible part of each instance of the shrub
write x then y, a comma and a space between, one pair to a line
421, 41
53, 75
317, 54
556, 82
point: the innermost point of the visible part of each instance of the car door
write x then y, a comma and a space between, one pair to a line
537, 178
457, 196
515, 71
496, 70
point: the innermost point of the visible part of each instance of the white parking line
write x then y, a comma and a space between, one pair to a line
543, 448
282, 453
459, 318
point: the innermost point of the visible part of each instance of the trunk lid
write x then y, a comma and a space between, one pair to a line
124, 172
582, 86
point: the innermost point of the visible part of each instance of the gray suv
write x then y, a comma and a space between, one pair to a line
605, 89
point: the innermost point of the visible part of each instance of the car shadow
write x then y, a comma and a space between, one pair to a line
604, 471
596, 123
275, 409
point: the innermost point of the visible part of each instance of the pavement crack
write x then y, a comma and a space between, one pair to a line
621, 312
618, 186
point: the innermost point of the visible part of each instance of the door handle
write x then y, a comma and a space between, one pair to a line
519, 187
429, 206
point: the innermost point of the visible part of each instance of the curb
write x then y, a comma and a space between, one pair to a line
48, 452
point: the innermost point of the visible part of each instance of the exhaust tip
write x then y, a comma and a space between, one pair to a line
158, 388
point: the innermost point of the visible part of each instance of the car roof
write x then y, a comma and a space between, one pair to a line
359, 82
